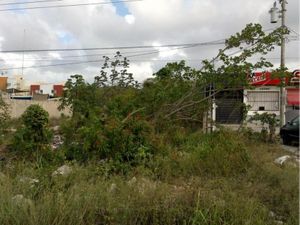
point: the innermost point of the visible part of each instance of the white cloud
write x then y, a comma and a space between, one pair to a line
150, 21
130, 19
141, 71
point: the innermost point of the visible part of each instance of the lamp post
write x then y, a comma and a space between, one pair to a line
275, 13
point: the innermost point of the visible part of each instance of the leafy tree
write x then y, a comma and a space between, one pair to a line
170, 84
78, 95
102, 124
109, 114
34, 136
114, 73
114, 78
229, 70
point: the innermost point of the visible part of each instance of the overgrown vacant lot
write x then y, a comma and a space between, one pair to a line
220, 178
134, 153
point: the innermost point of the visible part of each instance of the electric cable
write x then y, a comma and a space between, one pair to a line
68, 5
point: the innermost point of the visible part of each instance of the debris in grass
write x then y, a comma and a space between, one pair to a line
57, 142
20, 200
29, 180
113, 188
281, 160
63, 170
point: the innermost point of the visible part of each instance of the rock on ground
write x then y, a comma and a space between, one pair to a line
63, 170
20, 200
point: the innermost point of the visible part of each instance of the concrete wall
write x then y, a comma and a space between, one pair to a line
17, 107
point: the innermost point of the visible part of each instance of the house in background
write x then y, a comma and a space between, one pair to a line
53, 91
58, 90
3, 83
18, 88
263, 97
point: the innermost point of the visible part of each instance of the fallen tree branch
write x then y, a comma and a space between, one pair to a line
131, 114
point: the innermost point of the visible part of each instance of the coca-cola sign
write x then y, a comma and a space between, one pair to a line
263, 78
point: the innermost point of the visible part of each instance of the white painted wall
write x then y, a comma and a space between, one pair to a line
267, 97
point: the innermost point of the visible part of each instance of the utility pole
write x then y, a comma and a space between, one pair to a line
274, 15
282, 65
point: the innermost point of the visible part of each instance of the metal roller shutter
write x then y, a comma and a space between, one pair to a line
263, 100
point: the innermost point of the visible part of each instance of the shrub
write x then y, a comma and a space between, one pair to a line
266, 119
4, 117
111, 139
34, 136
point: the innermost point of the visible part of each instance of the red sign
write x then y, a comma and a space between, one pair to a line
266, 79
263, 79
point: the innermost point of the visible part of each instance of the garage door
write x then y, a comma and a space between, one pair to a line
263, 100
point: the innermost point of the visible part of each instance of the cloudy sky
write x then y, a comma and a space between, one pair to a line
130, 23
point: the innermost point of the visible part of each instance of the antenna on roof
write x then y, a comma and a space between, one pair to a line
23, 52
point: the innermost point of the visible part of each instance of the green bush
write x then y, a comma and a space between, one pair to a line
34, 135
4, 118
112, 139
268, 134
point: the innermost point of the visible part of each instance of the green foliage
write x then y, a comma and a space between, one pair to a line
106, 123
4, 116
266, 119
165, 97
176, 97
230, 73
33, 138
233, 69
114, 73
229, 208
88, 196
78, 95
126, 142
220, 154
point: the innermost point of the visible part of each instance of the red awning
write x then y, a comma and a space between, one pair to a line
293, 96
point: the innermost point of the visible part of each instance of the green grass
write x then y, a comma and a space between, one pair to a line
223, 178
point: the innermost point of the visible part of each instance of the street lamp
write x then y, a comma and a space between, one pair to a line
275, 13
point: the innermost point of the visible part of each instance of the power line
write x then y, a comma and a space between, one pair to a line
31, 2
143, 60
100, 54
93, 61
68, 5
130, 56
109, 48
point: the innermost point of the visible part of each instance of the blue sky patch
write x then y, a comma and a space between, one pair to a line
17, 7
65, 37
122, 9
